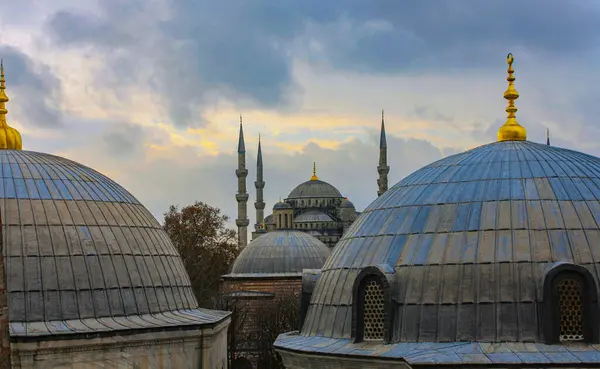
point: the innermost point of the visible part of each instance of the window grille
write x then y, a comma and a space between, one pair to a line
373, 313
570, 308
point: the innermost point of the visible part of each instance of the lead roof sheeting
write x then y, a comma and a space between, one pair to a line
79, 246
281, 251
448, 352
521, 207
166, 319
314, 189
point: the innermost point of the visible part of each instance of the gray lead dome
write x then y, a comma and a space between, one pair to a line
466, 243
281, 252
314, 188
79, 248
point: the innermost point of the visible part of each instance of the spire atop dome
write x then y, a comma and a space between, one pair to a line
314, 176
10, 138
511, 130
548, 136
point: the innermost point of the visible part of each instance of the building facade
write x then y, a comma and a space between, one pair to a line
266, 272
315, 206
484, 259
92, 280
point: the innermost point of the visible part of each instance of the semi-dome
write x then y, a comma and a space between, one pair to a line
281, 252
313, 216
80, 249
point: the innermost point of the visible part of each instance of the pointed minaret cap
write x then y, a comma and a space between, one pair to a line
241, 145
10, 138
314, 176
259, 155
511, 130
382, 140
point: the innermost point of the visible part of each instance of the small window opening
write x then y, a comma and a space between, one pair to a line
570, 309
373, 310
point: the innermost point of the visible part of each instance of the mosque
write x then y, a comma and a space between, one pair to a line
484, 259
315, 206
89, 277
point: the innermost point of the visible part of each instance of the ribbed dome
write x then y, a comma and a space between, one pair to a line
467, 241
77, 247
314, 188
281, 251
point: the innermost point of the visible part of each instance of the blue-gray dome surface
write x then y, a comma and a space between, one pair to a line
80, 249
314, 189
468, 239
280, 252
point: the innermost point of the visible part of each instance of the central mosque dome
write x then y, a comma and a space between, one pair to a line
499, 244
314, 188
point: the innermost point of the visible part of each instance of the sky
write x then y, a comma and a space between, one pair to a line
149, 92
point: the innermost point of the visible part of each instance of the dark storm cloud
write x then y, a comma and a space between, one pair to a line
33, 86
244, 49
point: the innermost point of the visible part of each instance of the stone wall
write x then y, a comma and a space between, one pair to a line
193, 349
270, 285
252, 306
299, 360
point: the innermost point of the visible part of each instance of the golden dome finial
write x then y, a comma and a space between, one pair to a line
10, 138
314, 176
511, 130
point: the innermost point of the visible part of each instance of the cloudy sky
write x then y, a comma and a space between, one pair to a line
149, 92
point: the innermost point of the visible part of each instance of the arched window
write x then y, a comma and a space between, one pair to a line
372, 309
570, 306
286, 220
571, 309
279, 225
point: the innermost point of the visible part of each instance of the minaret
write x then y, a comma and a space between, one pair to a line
383, 169
241, 196
548, 136
259, 204
10, 138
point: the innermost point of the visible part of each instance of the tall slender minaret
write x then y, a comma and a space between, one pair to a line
548, 136
383, 169
241, 196
259, 204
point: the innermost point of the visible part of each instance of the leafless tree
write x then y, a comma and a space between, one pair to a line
282, 315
